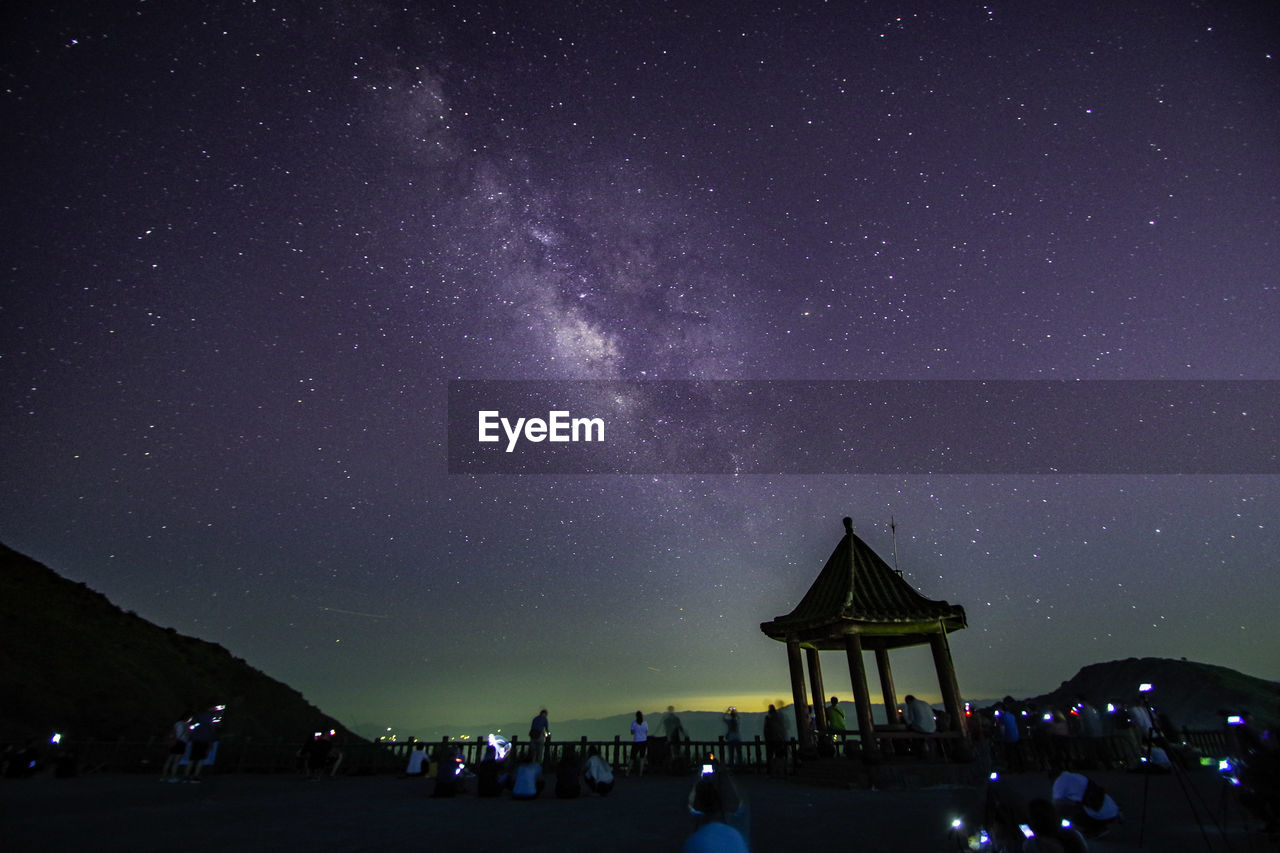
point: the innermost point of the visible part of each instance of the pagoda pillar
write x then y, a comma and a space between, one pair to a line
815, 684
861, 696
796, 666
887, 691
947, 680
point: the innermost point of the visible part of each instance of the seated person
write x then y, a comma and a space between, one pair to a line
528, 781
1049, 835
714, 835
918, 716
1084, 802
418, 762
597, 773
715, 789
447, 764
1004, 813
569, 775
1157, 762
489, 776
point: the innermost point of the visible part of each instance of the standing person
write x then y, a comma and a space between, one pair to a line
1005, 723
775, 744
835, 717
1087, 716
178, 744
204, 737
1097, 750
639, 743
733, 734
672, 729
539, 730
1141, 721
316, 755
1052, 735
836, 724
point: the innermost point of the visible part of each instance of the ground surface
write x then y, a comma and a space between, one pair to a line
252, 813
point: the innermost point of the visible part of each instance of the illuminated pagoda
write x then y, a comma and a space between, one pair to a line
859, 603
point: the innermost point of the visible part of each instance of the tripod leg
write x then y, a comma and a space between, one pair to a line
1146, 788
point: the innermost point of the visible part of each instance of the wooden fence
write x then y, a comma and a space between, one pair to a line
248, 755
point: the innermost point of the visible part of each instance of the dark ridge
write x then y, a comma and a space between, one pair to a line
1193, 695
71, 661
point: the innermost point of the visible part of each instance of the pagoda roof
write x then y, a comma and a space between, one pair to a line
858, 592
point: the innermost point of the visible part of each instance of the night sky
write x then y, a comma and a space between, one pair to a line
247, 248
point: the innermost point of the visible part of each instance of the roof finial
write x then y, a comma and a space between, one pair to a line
848, 524
893, 528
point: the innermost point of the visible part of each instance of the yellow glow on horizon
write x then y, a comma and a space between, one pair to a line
745, 702
751, 703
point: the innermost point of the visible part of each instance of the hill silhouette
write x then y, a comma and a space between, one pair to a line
72, 661
1194, 695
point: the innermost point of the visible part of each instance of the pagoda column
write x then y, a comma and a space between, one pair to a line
815, 684
947, 679
887, 692
796, 666
861, 696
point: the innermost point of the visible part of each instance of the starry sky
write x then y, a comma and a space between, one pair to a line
247, 248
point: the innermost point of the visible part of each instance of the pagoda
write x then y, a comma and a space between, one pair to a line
860, 603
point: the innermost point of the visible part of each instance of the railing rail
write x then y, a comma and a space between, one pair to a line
250, 755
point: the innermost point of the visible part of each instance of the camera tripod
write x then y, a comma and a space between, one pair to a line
1201, 810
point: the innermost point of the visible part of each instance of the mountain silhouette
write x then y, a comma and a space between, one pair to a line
1193, 695
73, 662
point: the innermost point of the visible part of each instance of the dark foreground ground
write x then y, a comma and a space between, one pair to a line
252, 813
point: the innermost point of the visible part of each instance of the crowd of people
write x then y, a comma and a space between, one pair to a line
1072, 810
1080, 735
516, 774
1015, 736
717, 810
